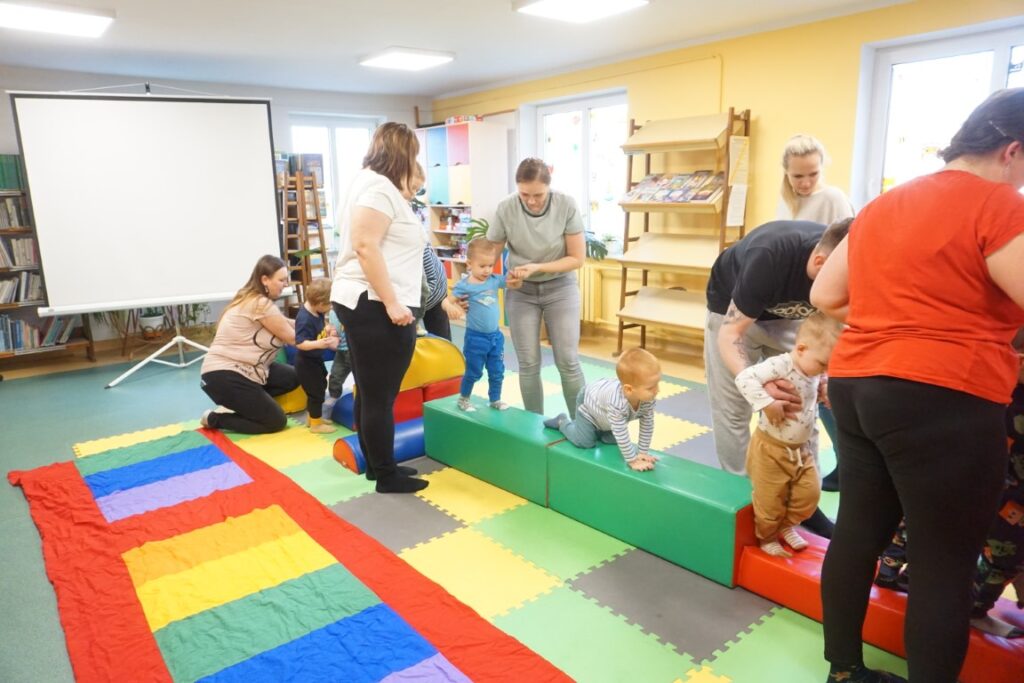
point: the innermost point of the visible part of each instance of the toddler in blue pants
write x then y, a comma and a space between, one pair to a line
485, 344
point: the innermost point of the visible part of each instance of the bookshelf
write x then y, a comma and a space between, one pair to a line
467, 175
303, 245
689, 194
22, 289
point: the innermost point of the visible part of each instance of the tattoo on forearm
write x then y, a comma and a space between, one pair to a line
732, 314
741, 349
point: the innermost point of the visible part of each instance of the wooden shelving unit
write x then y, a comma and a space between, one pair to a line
303, 246
18, 315
688, 252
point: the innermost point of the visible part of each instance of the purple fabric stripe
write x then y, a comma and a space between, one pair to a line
434, 669
171, 491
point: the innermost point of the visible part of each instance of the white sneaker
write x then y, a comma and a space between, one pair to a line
464, 404
499, 405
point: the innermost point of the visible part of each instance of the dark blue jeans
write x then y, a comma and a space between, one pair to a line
484, 349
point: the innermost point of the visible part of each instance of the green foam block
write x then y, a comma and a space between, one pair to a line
682, 511
507, 448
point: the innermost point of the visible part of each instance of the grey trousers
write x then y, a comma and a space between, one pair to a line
730, 412
557, 302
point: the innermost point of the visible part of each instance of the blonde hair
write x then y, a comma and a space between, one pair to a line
635, 365
819, 329
798, 146
318, 293
477, 247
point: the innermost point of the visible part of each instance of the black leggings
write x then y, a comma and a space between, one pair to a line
381, 352
938, 457
256, 411
312, 374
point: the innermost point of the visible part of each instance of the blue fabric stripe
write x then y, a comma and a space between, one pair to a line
365, 647
141, 473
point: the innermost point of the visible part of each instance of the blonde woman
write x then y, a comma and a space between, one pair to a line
805, 196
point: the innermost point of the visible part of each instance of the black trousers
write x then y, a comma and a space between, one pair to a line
938, 457
437, 323
312, 374
381, 352
256, 411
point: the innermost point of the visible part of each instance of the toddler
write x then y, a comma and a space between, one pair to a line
484, 344
341, 368
779, 462
312, 336
604, 409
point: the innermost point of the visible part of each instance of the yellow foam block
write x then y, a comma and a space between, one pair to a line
433, 359
484, 575
216, 582
159, 558
668, 431
466, 497
293, 446
87, 448
666, 389
704, 675
292, 402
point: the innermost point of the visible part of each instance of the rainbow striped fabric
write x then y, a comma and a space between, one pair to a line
185, 559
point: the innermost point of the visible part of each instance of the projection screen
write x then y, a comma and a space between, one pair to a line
144, 200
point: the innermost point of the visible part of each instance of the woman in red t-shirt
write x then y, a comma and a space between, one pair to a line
928, 281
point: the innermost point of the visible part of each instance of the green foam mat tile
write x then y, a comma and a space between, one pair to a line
553, 542
328, 481
786, 646
591, 644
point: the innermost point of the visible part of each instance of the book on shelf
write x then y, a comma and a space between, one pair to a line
13, 212
6, 259
710, 190
10, 172
308, 164
667, 188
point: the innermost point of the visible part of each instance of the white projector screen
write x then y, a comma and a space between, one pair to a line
143, 200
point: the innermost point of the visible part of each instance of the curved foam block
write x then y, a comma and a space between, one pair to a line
434, 359
442, 388
292, 402
408, 406
344, 411
408, 445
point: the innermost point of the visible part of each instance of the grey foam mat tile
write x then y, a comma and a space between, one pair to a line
398, 521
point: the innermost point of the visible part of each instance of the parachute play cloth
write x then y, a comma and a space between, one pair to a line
184, 558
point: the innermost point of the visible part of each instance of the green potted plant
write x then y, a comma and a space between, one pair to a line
151, 322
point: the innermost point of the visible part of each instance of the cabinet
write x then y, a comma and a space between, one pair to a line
466, 166
303, 245
687, 195
22, 290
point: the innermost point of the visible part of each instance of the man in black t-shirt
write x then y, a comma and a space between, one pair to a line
758, 293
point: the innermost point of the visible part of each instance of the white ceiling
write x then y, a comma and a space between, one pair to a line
316, 44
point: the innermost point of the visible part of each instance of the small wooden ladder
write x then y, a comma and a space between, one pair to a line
302, 233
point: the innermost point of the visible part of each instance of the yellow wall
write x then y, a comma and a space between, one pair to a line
799, 79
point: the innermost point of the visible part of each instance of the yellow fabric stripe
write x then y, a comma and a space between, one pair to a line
159, 558
216, 582
87, 448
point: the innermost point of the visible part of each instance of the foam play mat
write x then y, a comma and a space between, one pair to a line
176, 555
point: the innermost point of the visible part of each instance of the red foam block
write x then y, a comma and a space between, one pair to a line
445, 387
796, 583
409, 405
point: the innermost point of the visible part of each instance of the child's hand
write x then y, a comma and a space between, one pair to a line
454, 312
648, 457
331, 343
513, 281
331, 330
639, 464
775, 412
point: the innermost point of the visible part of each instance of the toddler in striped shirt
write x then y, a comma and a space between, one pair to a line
604, 409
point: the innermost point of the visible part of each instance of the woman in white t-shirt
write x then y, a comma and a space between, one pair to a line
239, 371
805, 196
376, 295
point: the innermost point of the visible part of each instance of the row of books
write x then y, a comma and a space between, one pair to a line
698, 187
18, 335
10, 172
13, 213
286, 164
20, 252
28, 286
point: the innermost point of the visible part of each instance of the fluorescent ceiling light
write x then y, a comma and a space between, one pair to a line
407, 59
63, 19
576, 11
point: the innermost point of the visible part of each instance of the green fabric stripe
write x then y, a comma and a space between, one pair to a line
220, 637
140, 452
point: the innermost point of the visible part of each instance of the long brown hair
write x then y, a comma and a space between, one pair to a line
996, 122
253, 288
531, 169
393, 153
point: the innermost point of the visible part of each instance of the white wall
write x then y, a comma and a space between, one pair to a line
283, 100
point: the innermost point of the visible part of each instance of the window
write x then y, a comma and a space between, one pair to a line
342, 141
922, 93
582, 141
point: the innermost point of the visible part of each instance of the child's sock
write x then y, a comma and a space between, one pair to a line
795, 540
328, 408
861, 674
463, 404
997, 627
317, 426
499, 405
775, 549
556, 422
